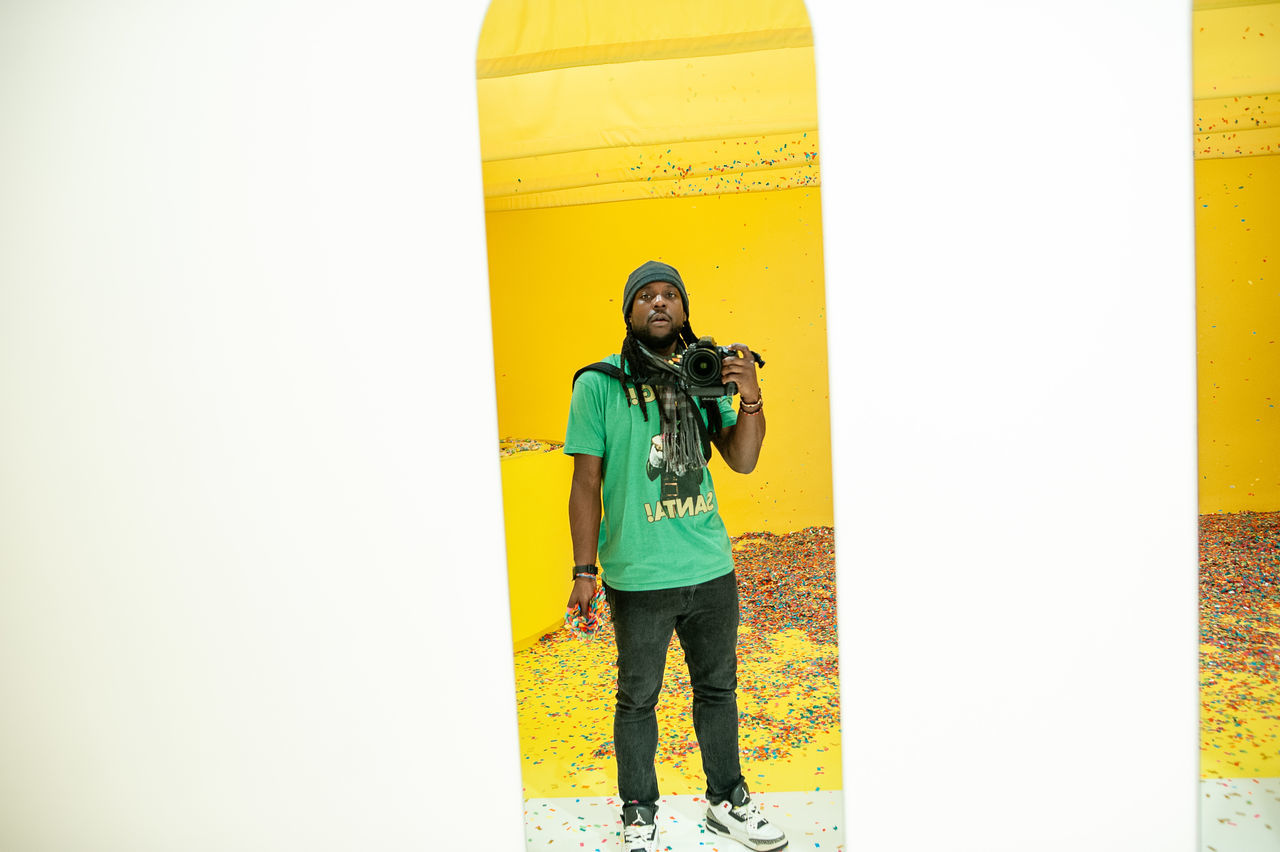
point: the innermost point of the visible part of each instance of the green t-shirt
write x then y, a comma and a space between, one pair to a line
658, 531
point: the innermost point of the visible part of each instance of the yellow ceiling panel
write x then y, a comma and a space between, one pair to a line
1203, 5
760, 181
1216, 115
645, 103
693, 160
583, 101
783, 161
1236, 50
520, 30
675, 48
1255, 142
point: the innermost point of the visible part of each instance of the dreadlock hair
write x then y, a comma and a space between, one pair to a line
633, 363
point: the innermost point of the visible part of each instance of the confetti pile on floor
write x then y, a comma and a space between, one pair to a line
788, 686
514, 446
1240, 645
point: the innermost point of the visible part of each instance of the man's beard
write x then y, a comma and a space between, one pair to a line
654, 343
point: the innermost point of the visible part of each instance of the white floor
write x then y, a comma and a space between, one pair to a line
1240, 814
812, 821
1236, 815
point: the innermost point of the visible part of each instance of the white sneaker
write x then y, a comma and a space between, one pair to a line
739, 818
639, 831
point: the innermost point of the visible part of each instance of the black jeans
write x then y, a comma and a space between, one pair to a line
705, 617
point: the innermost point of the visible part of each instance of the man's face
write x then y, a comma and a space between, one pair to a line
657, 315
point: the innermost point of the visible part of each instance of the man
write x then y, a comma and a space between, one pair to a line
642, 443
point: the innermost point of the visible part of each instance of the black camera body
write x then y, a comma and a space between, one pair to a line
701, 365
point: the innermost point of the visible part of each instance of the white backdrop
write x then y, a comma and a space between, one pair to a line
250, 592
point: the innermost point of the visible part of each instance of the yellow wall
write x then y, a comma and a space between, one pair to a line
1238, 319
535, 501
753, 267
1236, 65
611, 136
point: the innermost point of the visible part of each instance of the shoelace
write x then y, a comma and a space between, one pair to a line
751, 815
638, 832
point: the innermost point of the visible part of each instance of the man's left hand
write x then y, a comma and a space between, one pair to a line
743, 372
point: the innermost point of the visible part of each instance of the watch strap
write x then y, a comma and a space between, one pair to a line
585, 571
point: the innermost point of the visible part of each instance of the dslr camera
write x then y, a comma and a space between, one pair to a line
701, 365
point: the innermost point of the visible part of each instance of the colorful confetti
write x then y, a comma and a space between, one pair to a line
812, 820
1238, 126
1240, 644
1238, 814
788, 685
586, 627
514, 446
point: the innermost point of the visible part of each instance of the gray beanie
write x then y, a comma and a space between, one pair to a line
647, 273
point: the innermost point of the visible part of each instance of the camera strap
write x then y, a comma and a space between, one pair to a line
599, 367
708, 405
711, 427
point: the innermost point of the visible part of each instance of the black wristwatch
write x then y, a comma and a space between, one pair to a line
585, 569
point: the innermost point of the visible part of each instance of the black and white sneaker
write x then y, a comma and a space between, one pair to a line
639, 831
739, 818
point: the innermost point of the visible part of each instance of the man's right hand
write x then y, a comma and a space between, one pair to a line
584, 524
584, 589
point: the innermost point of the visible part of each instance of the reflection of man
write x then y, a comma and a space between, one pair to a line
666, 558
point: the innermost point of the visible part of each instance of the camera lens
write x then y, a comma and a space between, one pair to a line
702, 366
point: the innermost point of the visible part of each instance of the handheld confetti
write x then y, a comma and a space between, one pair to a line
586, 627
